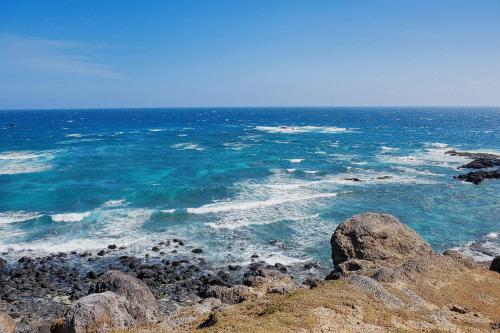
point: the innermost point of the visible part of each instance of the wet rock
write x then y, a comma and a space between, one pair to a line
495, 264
197, 250
112, 247
479, 247
7, 324
354, 179
101, 253
471, 155
481, 163
234, 267
477, 177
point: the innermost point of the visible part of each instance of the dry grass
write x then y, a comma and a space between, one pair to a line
337, 306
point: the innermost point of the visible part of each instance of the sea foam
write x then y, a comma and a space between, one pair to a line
301, 129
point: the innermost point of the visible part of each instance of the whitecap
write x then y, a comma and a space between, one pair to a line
492, 235
301, 129
73, 135
235, 145
70, 217
114, 203
157, 130
19, 216
15, 162
187, 146
226, 206
296, 160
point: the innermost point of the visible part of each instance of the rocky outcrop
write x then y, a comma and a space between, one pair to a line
231, 295
117, 300
7, 324
477, 177
266, 281
480, 161
369, 242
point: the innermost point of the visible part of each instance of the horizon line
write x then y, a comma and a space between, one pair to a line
251, 107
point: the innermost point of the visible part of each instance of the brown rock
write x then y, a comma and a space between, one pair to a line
7, 324
96, 313
230, 295
141, 303
373, 236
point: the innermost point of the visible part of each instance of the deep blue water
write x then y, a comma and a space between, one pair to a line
231, 180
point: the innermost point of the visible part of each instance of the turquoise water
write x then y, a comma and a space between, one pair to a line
232, 180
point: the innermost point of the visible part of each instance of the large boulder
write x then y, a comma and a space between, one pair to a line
117, 301
141, 303
374, 236
365, 243
7, 324
96, 313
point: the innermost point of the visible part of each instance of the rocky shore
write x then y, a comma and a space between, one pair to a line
480, 161
387, 267
35, 291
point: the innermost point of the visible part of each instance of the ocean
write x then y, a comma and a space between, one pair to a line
236, 182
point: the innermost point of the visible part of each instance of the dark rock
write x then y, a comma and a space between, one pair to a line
101, 253
234, 267
495, 264
477, 177
91, 275
155, 249
459, 309
197, 250
211, 321
481, 163
353, 179
112, 246
280, 267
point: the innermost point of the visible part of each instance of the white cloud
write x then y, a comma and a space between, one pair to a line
48, 55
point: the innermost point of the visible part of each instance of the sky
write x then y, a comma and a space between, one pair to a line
160, 53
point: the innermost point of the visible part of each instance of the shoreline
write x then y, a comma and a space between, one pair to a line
36, 288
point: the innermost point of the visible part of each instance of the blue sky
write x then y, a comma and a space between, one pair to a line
124, 53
